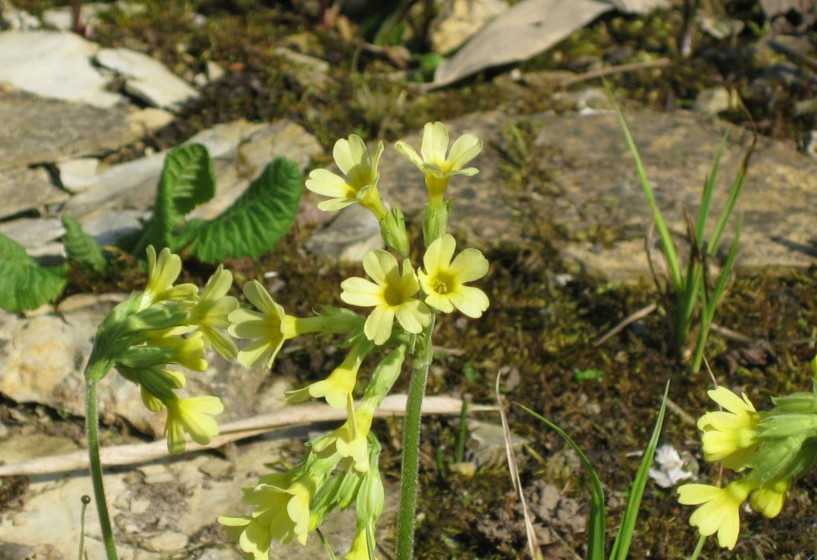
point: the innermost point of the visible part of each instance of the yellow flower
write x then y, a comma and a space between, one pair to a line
267, 330
360, 184
729, 436
338, 386
719, 511
438, 167
392, 294
253, 537
350, 440
443, 280
193, 416
360, 546
285, 511
769, 498
211, 311
161, 275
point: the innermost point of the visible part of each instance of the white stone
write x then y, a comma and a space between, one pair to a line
166, 542
460, 19
76, 175
147, 78
32, 233
17, 20
149, 119
54, 64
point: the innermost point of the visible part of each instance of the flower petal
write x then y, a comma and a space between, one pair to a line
469, 265
362, 292
378, 264
378, 325
470, 301
464, 149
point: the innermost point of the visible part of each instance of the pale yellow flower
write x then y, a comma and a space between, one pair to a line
769, 498
193, 416
162, 273
443, 280
392, 294
267, 328
338, 386
253, 537
729, 436
360, 546
359, 185
211, 311
350, 440
437, 166
719, 509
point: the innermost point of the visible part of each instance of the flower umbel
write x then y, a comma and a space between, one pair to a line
392, 294
437, 166
360, 184
443, 280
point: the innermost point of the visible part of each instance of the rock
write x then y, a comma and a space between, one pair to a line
108, 227
37, 130
166, 542
308, 71
714, 100
33, 233
599, 190
76, 175
458, 20
54, 64
23, 189
809, 143
14, 19
12, 551
147, 78
149, 119
29, 446
61, 17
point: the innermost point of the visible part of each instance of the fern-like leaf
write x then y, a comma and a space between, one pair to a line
255, 221
83, 248
24, 283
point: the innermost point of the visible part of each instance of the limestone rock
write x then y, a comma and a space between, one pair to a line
23, 189
458, 20
147, 78
54, 64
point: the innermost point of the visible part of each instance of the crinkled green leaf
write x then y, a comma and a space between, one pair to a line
24, 283
187, 180
81, 247
256, 221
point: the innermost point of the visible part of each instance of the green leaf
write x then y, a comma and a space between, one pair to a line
598, 516
83, 248
256, 221
24, 284
621, 546
187, 180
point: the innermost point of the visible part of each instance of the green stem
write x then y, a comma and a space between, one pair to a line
92, 424
698, 548
411, 445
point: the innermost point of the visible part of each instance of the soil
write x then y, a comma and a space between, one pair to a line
539, 329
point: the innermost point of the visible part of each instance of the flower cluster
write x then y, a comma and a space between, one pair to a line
168, 324
340, 468
772, 448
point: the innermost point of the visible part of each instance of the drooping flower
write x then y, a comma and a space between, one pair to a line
211, 311
338, 386
359, 185
769, 498
392, 294
437, 166
719, 510
443, 280
162, 273
360, 545
194, 416
729, 436
350, 440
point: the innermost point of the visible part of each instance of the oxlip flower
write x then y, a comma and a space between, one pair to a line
443, 280
729, 435
437, 165
338, 386
162, 273
211, 311
769, 498
392, 293
350, 441
192, 416
360, 184
719, 510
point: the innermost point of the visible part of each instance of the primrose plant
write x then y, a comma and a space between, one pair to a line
341, 468
771, 449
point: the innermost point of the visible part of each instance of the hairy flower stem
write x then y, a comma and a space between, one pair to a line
411, 444
92, 424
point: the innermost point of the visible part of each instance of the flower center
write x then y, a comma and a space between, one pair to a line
393, 295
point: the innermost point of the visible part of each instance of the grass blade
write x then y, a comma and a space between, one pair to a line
595, 550
621, 546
